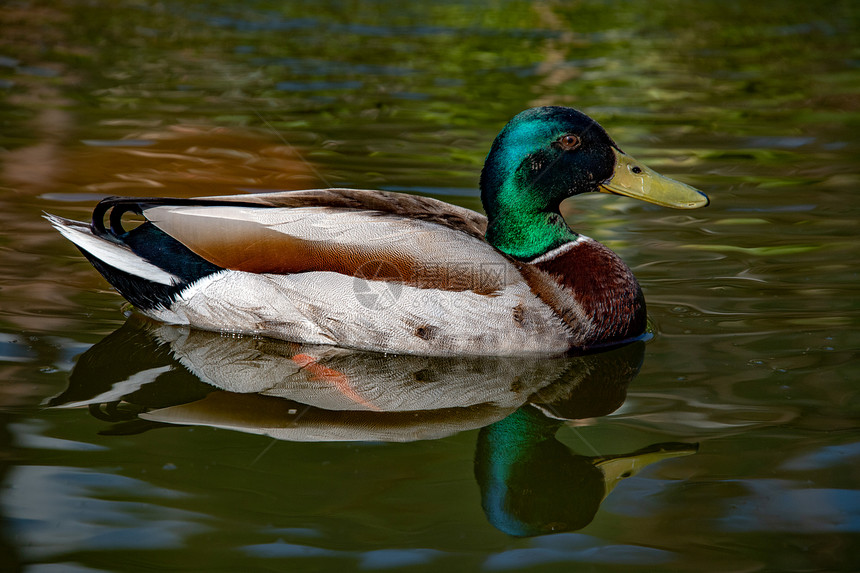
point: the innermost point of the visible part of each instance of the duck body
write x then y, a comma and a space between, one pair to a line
392, 272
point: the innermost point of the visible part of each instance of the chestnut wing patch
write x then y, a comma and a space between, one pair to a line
361, 243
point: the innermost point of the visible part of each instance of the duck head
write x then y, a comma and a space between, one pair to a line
547, 154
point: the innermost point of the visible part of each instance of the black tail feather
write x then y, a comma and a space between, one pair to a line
163, 251
149, 243
119, 206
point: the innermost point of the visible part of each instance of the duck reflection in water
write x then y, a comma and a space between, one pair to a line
147, 375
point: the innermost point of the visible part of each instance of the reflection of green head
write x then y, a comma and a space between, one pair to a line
530, 482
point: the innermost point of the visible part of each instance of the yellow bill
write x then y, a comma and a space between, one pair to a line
633, 179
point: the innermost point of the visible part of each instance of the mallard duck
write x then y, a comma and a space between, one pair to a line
393, 272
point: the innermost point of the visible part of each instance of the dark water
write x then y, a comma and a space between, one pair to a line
128, 446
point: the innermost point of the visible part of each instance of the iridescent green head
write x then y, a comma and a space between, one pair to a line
545, 155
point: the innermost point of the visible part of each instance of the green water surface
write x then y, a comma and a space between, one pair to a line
130, 447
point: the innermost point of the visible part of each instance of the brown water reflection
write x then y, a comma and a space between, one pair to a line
184, 160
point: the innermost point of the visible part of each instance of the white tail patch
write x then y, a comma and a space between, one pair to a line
121, 389
117, 256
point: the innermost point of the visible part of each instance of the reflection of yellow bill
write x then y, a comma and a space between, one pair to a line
633, 179
617, 468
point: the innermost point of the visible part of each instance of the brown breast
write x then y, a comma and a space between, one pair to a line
603, 302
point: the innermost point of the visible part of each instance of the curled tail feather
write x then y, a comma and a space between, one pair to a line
145, 265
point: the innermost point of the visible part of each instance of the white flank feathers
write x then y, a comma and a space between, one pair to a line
369, 315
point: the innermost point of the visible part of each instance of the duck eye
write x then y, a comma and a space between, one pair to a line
568, 142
